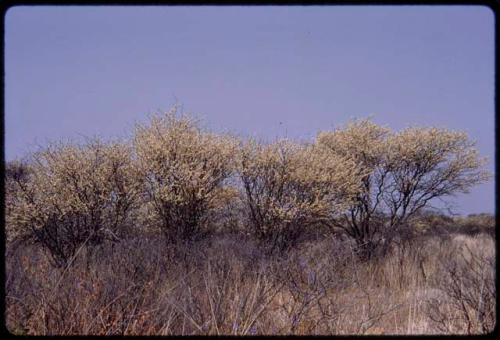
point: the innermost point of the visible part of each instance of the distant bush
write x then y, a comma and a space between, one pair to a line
432, 223
475, 224
436, 223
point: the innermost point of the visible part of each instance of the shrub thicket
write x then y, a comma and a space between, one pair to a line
363, 180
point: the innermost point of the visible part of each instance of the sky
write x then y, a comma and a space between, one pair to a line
267, 72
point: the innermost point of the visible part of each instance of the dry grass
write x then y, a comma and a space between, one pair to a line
224, 285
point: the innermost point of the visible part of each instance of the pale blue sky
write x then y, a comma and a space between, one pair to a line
260, 71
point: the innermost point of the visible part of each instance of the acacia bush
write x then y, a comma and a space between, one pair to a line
287, 187
403, 173
73, 195
184, 170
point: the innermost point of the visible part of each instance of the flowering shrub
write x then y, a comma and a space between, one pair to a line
404, 172
287, 187
74, 195
184, 169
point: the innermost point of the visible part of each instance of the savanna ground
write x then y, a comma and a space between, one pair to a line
439, 280
179, 230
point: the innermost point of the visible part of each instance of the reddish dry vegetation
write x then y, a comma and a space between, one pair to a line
439, 281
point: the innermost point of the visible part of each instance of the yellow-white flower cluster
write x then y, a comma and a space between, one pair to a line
94, 184
184, 168
291, 185
403, 170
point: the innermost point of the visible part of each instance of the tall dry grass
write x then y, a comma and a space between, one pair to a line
225, 285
